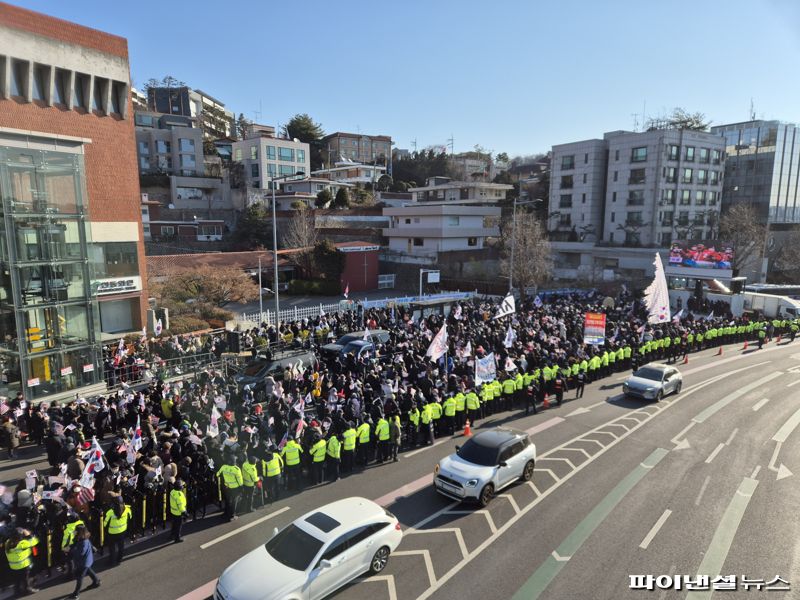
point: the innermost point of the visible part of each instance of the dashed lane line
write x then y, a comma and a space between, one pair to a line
714, 453
655, 529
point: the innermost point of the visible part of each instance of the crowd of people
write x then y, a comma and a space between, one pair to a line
127, 462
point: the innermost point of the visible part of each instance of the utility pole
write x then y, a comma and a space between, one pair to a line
260, 294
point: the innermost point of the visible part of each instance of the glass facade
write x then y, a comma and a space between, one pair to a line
49, 326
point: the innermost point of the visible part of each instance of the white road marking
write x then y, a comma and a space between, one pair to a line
762, 402
389, 579
683, 442
437, 443
454, 530
654, 530
702, 490
426, 556
585, 453
511, 500
483, 512
560, 558
566, 460
243, 528
788, 427
755, 472
714, 453
544, 425
793, 383
534, 488
555, 477
731, 436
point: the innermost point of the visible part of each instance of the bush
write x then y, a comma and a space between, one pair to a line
186, 324
301, 287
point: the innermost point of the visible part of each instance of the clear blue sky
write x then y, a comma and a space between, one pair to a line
511, 76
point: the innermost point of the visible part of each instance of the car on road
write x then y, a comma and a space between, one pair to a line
315, 555
488, 462
256, 371
653, 381
344, 344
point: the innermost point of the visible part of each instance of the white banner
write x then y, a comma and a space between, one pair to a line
485, 369
439, 344
507, 307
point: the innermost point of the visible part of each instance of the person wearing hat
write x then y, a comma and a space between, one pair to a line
177, 509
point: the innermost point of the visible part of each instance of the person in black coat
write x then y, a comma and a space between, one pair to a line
82, 555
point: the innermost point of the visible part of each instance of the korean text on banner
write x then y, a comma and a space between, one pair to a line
594, 329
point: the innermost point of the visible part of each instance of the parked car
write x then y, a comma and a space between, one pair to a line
653, 381
315, 555
377, 336
255, 372
488, 462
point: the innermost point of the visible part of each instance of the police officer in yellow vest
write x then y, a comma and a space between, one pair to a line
473, 407
19, 554
363, 432
271, 466
382, 435
291, 457
232, 480
250, 481
69, 536
426, 424
334, 450
449, 409
509, 387
177, 509
348, 447
116, 522
413, 426
461, 406
436, 415
318, 452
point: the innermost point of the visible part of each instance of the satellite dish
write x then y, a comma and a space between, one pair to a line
170, 206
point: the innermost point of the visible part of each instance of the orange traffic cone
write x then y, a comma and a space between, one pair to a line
719, 352
546, 402
467, 430
745, 345
686, 360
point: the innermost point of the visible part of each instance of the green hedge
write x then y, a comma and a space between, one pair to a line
300, 287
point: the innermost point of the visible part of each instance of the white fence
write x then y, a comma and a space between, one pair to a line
306, 312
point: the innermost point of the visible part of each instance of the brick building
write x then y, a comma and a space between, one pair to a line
71, 243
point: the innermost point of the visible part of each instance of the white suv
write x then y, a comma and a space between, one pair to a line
315, 555
485, 464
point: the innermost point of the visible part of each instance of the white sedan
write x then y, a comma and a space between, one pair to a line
315, 555
653, 381
485, 464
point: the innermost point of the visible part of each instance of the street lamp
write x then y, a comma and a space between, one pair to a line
514, 237
273, 181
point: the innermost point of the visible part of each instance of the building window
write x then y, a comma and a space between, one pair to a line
61, 87
19, 78
666, 218
301, 156
636, 198
167, 230
715, 156
673, 152
683, 218
702, 176
566, 182
186, 144
712, 198
668, 196
81, 90
584, 178
99, 95
586, 158
616, 174
639, 154
686, 197
418, 241
565, 201
272, 169
672, 175
144, 163
253, 152
567, 162
666, 239
285, 154
713, 178
254, 170
119, 97
637, 177
144, 149
473, 241
565, 220
583, 198
700, 197
163, 147
287, 170
611, 237
271, 152
689, 156
687, 176
188, 161
613, 196
613, 217
634, 218
616, 154
704, 155
237, 154
164, 162
453, 221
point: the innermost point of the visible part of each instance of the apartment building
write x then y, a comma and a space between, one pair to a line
659, 185
168, 144
265, 156
444, 189
71, 249
214, 120
356, 147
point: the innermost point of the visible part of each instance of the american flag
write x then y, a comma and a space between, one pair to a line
86, 494
283, 440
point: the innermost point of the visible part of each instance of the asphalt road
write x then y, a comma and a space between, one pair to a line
701, 483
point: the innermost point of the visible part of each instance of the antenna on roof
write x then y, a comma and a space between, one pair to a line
752, 111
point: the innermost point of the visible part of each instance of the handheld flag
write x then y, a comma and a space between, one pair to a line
438, 345
511, 336
347, 290
159, 327
537, 302
507, 307
677, 318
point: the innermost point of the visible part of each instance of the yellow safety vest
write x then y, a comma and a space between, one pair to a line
334, 447
382, 430
69, 533
232, 475
291, 451
363, 433
117, 524
450, 407
318, 451
349, 439
177, 502
249, 474
273, 467
19, 557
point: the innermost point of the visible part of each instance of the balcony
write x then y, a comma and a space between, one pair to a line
666, 222
637, 180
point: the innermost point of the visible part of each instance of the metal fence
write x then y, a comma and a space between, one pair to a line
144, 372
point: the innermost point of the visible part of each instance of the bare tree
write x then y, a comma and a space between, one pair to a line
741, 227
533, 262
301, 232
214, 286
